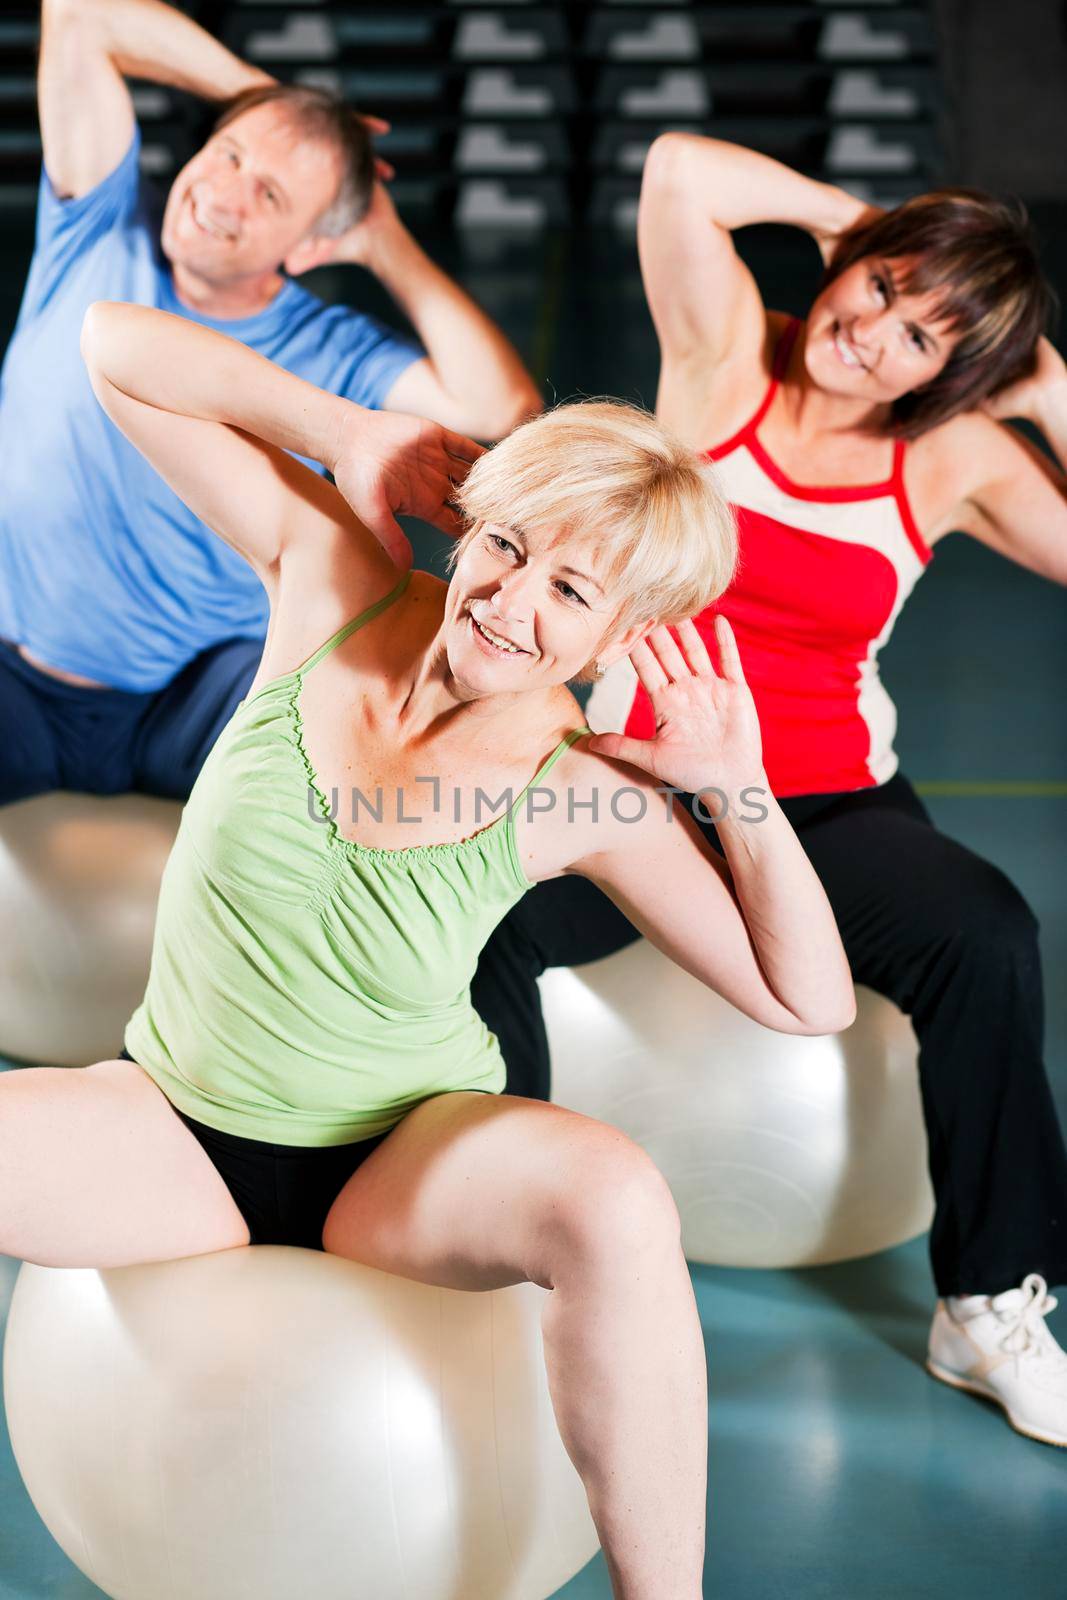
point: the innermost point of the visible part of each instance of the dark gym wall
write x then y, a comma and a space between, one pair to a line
1004, 67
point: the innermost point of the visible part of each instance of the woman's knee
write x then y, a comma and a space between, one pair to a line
622, 1206
990, 915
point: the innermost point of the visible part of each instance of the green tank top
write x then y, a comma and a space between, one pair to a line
306, 990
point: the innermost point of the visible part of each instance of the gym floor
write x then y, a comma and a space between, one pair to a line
838, 1468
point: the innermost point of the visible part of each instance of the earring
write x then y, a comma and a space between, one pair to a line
599, 670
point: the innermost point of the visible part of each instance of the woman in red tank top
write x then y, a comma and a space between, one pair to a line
850, 444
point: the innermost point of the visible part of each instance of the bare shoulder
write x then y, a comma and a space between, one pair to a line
590, 806
414, 616
426, 591
559, 714
947, 466
593, 773
706, 397
303, 618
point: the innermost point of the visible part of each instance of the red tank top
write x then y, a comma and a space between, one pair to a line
822, 575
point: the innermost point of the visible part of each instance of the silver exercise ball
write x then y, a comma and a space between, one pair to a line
780, 1150
79, 881
276, 1422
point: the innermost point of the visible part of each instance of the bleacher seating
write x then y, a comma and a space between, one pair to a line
528, 113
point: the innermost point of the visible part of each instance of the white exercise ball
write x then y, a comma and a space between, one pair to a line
273, 1423
79, 881
780, 1150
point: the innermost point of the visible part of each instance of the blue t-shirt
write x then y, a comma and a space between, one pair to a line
103, 570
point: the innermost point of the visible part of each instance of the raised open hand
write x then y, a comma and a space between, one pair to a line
707, 731
388, 464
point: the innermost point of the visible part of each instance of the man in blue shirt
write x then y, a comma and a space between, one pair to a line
128, 631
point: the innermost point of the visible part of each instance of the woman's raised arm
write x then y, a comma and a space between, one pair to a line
1016, 501
758, 928
223, 426
695, 191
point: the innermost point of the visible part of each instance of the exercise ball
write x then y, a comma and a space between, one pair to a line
79, 881
780, 1150
274, 1423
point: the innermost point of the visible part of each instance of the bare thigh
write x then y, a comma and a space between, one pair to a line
476, 1191
97, 1170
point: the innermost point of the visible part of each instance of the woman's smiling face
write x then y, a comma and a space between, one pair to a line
528, 610
869, 339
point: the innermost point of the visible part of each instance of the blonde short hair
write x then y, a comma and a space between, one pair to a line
607, 472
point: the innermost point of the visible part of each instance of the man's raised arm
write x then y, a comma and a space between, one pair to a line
472, 378
88, 49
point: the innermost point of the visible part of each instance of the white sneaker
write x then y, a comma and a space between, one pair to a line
1001, 1348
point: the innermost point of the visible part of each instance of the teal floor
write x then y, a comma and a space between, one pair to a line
838, 1468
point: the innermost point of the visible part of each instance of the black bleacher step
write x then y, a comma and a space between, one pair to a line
615, 138
763, 31
512, 92
757, 30
379, 32
516, 91
551, 102
802, 86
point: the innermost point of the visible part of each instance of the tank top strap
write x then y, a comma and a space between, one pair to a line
356, 623
900, 494
543, 771
783, 350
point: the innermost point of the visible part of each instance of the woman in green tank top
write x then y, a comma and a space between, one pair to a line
349, 847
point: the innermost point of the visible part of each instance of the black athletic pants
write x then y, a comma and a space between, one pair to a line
945, 936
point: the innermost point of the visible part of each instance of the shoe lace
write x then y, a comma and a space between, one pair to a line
1025, 1332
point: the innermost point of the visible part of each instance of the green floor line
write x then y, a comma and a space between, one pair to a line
1008, 788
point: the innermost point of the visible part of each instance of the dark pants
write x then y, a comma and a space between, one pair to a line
54, 735
945, 936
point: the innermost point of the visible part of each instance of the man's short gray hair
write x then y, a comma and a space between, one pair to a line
326, 117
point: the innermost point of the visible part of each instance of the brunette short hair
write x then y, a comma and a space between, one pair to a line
978, 255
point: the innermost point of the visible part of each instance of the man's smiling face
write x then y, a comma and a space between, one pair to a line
245, 200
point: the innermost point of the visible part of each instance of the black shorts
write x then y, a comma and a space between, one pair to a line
283, 1191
